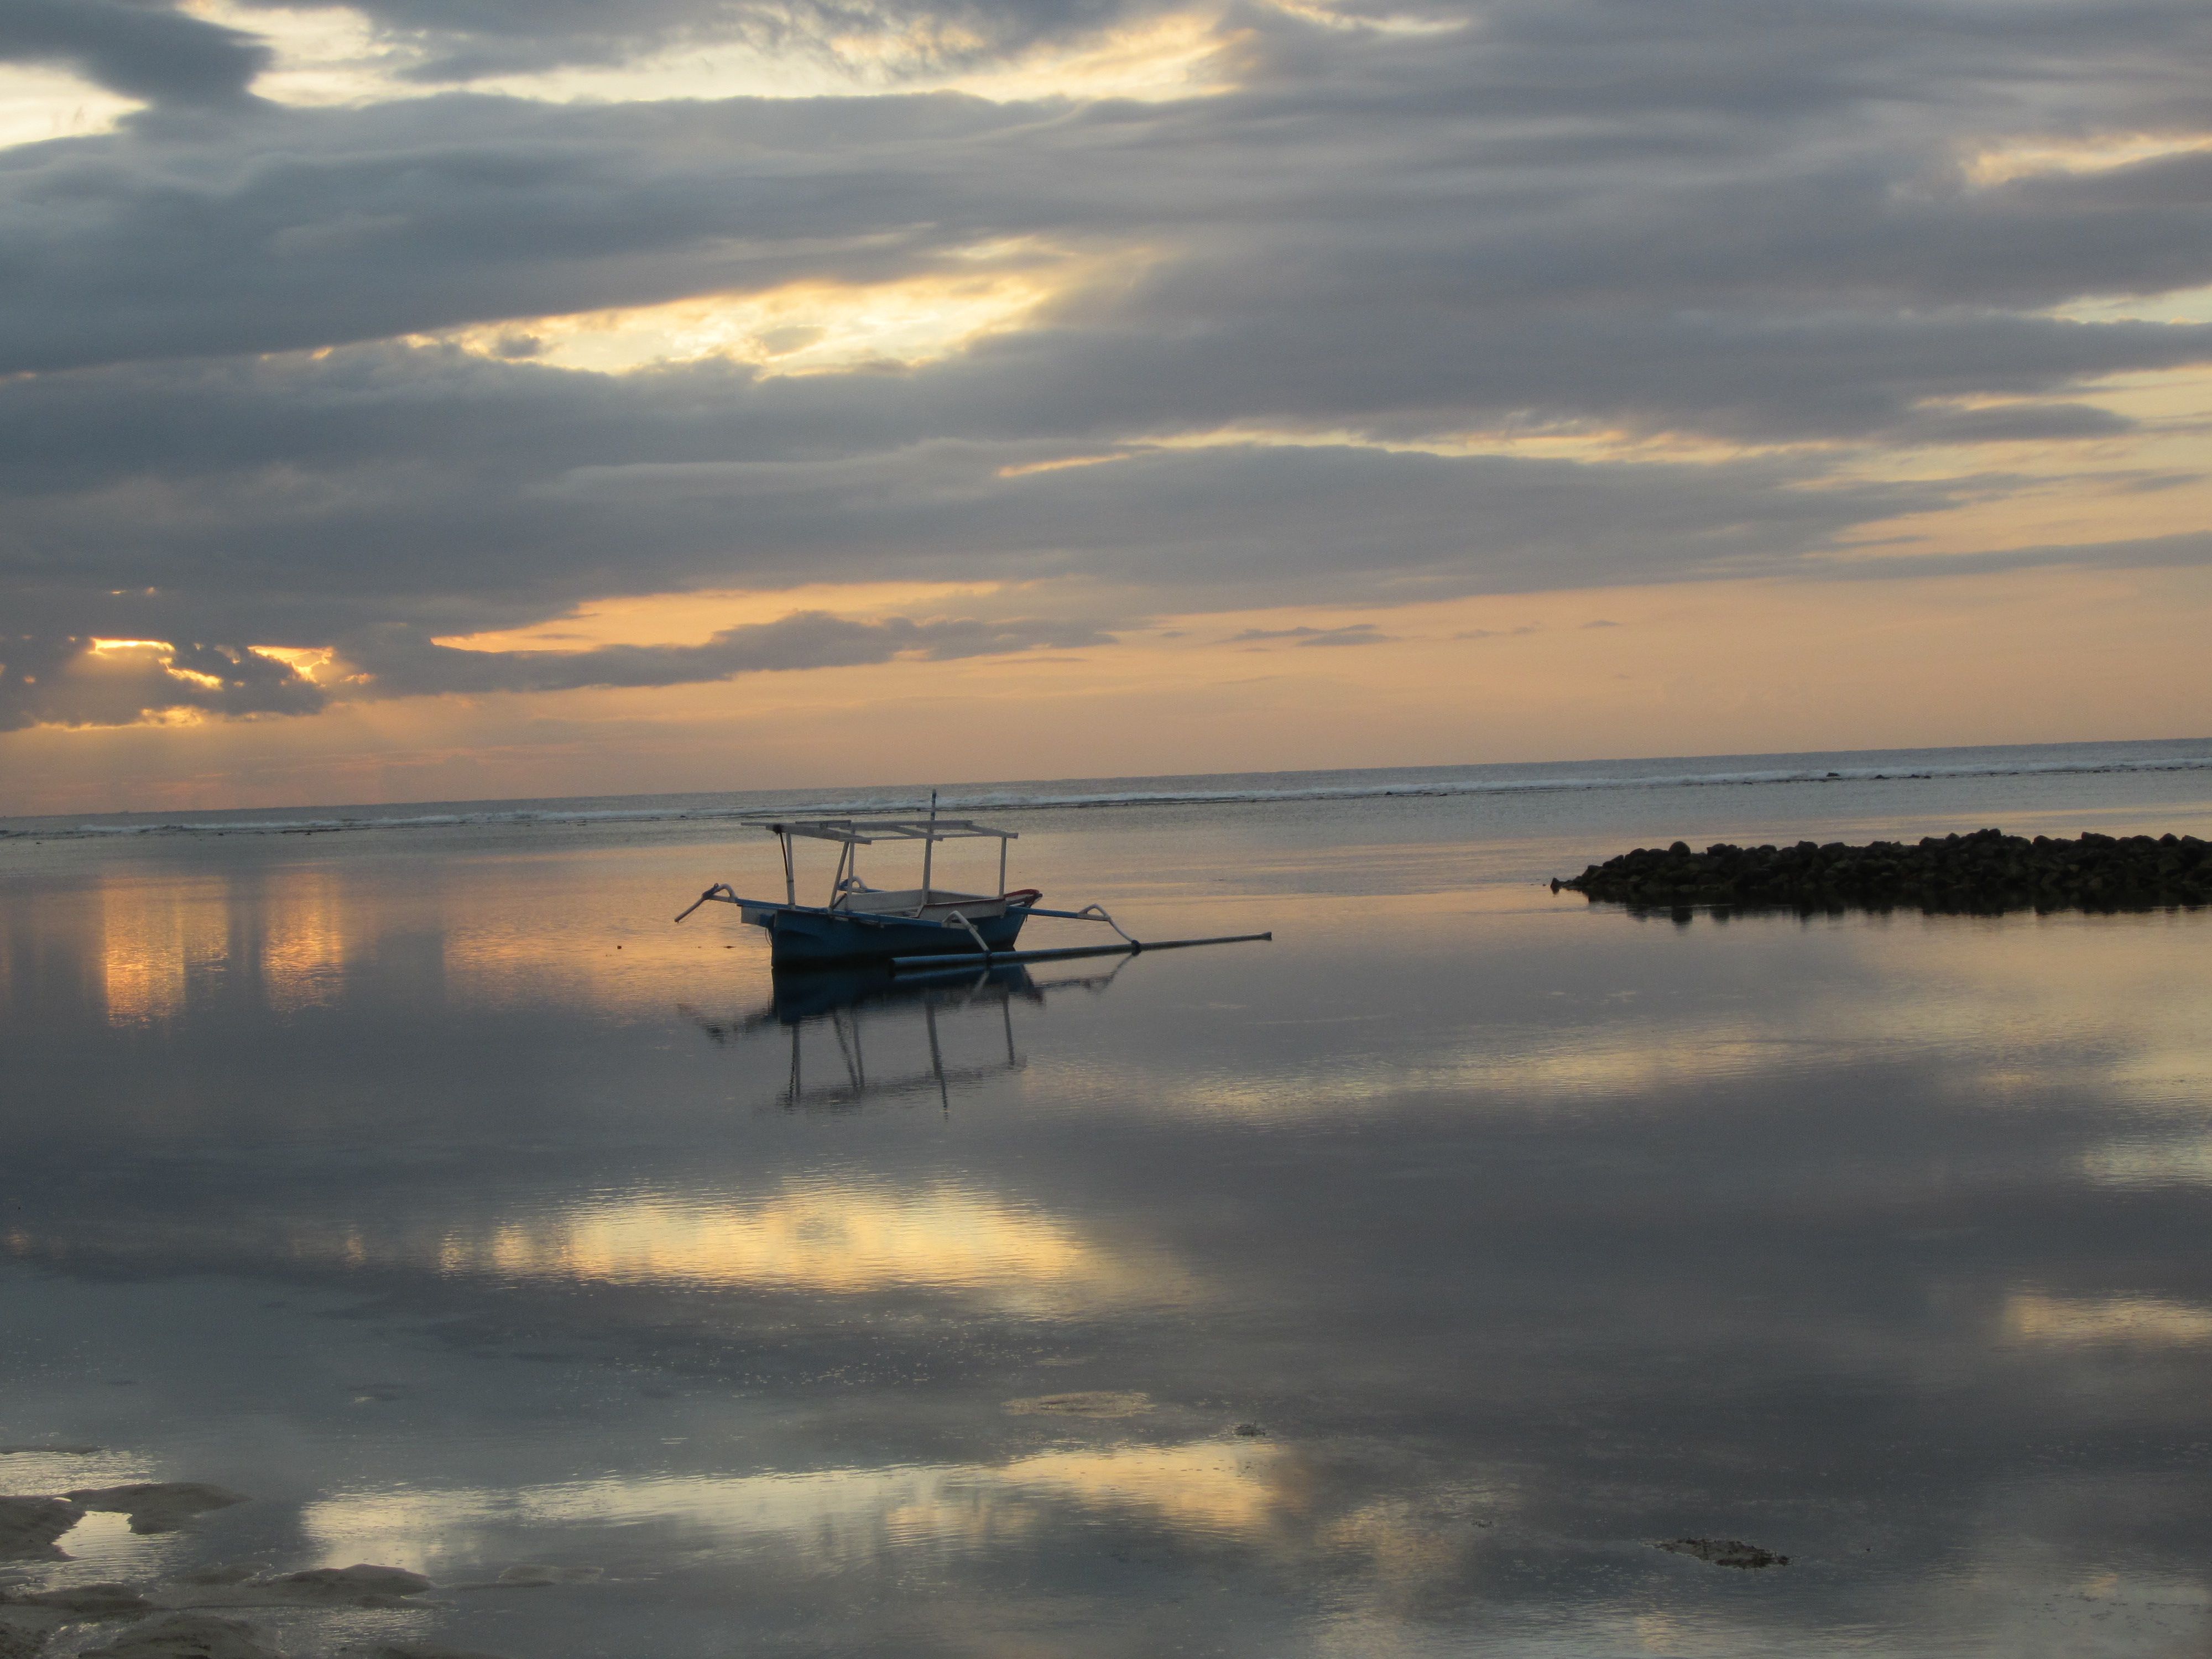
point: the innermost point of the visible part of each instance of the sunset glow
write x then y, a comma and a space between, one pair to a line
832, 1238
700, 387
808, 329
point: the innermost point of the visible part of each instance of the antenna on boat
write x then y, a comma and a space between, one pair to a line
929, 847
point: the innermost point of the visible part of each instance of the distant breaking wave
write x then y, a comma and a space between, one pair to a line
1026, 801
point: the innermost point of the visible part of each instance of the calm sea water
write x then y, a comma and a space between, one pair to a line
428, 1186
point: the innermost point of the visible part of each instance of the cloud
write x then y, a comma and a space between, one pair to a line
401, 665
2011, 423
2192, 548
442, 497
148, 50
462, 40
82, 682
1352, 634
1826, 265
1497, 298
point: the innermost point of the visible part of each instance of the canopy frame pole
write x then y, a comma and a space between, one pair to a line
929, 849
790, 875
936, 1059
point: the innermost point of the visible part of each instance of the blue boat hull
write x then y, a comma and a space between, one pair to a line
799, 937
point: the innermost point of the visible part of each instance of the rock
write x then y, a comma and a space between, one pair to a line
224, 1572
528, 1577
360, 1585
1251, 1431
157, 1505
1095, 1404
91, 1602
187, 1636
1725, 1551
531, 1577
413, 1651
1985, 873
29, 1526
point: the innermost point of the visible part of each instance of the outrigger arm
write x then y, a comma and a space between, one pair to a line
1088, 913
720, 890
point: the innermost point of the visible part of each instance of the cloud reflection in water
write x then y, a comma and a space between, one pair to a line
1528, 1234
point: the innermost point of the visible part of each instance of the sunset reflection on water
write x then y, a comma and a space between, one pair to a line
1414, 1273
830, 1238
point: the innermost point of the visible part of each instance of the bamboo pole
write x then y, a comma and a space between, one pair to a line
992, 958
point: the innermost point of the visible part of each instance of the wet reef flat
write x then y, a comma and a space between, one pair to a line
1983, 872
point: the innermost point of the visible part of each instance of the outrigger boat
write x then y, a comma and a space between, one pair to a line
911, 927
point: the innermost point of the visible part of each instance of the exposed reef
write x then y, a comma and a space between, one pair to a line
1982, 873
179, 1617
88, 1601
29, 1526
1096, 1403
187, 1636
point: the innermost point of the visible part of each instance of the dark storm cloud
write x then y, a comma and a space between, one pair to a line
1678, 216
140, 50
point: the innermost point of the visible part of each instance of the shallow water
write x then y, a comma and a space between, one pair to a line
434, 1190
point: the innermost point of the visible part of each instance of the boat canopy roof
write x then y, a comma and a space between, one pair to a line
862, 832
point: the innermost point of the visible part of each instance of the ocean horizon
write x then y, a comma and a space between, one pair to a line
2146, 756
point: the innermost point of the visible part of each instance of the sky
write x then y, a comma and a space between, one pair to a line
430, 400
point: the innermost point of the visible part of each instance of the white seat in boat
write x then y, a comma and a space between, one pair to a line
907, 900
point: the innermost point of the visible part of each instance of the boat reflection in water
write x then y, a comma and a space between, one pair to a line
913, 1024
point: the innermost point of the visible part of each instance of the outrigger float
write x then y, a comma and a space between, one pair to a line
911, 928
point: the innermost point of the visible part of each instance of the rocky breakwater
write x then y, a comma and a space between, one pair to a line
1982, 872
